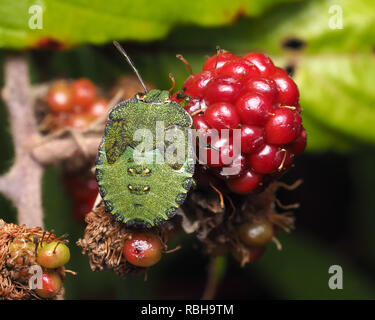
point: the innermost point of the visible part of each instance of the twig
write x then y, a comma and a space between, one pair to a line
55, 151
22, 184
216, 271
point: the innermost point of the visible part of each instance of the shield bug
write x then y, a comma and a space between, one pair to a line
141, 179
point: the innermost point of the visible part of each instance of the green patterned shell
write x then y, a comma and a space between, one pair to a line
136, 193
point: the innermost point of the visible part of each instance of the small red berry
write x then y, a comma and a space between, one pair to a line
298, 145
252, 138
143, 249
84, 92
239, 69
223, 89
218, 60
98, 108
51, 285
245, 183
196, 84
261, 61
298, 108
83, 191
220, 152
254, 109
288, 94
279, 72
78, 121
193, 106
267, 87
266, 160
80, 210
287, 160
53, 255
283, 127
234, 170
256, 233
59, 97
203, 130
200, 122
80, 187
222, 115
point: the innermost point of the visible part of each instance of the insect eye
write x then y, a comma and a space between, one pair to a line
140, 96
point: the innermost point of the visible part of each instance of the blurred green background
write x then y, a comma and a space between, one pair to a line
327, 46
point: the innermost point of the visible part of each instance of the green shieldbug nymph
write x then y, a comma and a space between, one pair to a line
144, 193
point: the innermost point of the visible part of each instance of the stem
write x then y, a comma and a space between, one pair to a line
22, 184
216, 272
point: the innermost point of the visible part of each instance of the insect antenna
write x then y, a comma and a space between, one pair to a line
123, 52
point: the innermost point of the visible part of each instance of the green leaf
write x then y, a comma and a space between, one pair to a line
321, 138
71, 22
338, 92
311, 22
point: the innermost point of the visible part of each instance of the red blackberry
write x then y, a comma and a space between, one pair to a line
218, 60
222, 88
252, 95
222, 115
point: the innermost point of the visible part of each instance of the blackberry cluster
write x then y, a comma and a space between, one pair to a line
251, 94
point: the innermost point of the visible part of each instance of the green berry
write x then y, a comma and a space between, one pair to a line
21, 251
53, 255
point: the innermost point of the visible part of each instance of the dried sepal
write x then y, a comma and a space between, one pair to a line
217, 228
104, 238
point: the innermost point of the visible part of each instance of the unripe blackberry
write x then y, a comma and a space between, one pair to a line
143, 249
